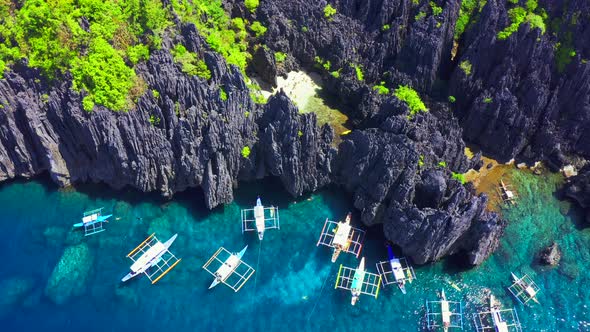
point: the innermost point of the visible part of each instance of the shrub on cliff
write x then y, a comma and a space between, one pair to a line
245, 152
329, 11
251, 5
519, 15
411, 98
258, 29
189, 62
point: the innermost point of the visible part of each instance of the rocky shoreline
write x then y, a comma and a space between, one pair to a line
182, 134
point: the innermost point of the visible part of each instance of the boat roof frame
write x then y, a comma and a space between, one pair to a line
356, 237
370, 284
166, 263
242, 277
484, 322
434, 317
269, 223
384, 269
519, 292
93, 227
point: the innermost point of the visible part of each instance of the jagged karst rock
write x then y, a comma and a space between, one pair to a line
424, 212
397, 169
578, 190
536, 110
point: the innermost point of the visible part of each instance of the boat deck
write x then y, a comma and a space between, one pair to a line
401, 271
443, 312
146, 252
260, 218
505, 320
348, 238
232, 271
366, 282
524, 289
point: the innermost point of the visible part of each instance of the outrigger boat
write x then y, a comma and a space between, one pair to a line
497, 319
342, 237
92, 221
358, 281
230, 269
524, 289
264, 218
396, 271
154, 259
507, 194
444, 313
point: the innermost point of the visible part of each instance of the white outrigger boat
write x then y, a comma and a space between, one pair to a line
264, 218
92, 221
524, 289
396, 271
497, 319
507, 194
152, 258
342, 237
444, 314
229, 269
358, 281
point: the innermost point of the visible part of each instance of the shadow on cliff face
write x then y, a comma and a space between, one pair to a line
456, 263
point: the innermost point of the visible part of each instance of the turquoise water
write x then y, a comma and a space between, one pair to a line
293, 286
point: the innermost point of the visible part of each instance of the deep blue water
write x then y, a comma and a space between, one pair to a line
293, 286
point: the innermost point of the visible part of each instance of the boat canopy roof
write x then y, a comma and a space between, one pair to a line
152, 252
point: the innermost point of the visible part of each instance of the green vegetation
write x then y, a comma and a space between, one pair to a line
222, 94
246, 114
320, 63
299, 133
519, 15
246, 152
381, 88
385, 27
256, 94
442, 164
329, 11
189, 62
280, 57
436, 10
226, 37
335, 74
49, 35
359, 72
452, 99
156, 94
459, 177
488, 100
154, 120
468, 9
466, 67
304, 29
421, 161
252, 5
258, 29
415, 2
420, 16
564, 51
411, 98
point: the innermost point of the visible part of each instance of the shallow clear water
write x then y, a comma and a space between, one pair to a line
293, 287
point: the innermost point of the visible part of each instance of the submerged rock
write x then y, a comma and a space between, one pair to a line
69, 276
13, 292
550, 255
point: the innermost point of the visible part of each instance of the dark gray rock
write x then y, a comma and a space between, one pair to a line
578, 189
